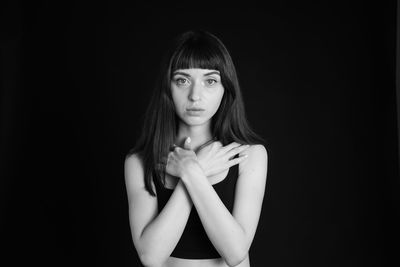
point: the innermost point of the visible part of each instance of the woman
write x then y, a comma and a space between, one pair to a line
196, 178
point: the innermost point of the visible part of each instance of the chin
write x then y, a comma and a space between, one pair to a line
195, 121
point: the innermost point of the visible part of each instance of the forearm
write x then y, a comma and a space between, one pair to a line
160, 237
225, 233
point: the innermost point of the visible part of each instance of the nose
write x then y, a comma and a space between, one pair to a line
195, 92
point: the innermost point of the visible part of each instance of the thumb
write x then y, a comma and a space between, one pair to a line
187, 144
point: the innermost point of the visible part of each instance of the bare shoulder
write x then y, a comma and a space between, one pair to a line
257, 160
133, 160
256, 152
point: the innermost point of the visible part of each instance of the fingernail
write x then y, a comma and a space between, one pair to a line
188, 139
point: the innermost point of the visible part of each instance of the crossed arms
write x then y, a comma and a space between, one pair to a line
155, 234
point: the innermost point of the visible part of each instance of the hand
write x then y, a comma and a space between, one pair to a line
214, 158
182, 161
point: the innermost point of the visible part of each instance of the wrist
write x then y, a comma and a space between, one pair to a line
193, 172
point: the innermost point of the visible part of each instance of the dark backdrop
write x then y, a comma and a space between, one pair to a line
319, 85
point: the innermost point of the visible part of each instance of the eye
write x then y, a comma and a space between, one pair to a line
181, 81
211, 81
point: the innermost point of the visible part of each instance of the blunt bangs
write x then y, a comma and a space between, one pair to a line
197, 54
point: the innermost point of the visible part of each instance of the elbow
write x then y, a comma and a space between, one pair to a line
237, 258
149, 260
234, 261
150, 255
146, 260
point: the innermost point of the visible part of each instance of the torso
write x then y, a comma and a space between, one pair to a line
179, 262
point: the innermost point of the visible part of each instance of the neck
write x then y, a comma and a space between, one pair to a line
199, 135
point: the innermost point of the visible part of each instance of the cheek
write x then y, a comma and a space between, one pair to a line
178, 101
217, 101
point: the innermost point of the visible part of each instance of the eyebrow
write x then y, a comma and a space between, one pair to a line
187, 75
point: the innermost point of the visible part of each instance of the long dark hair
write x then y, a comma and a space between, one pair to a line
192, 49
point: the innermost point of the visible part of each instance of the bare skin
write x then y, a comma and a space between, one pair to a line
191, 173
171, 182
180, 206
177, 262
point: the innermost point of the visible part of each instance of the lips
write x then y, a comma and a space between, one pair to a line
195, 109
196, 112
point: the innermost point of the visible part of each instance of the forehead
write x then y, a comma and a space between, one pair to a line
196, 72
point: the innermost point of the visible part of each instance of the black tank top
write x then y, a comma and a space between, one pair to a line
194, 242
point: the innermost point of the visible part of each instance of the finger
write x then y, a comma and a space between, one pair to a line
237, 160
213, 142
187, 144
216, 144
229, 147
171, 156
237, 150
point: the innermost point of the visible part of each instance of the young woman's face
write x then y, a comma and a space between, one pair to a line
197, 94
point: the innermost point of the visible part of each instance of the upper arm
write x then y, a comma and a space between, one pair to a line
250, 190
142, 206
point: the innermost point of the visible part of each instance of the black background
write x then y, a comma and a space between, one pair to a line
318, 82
